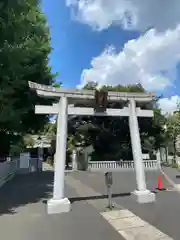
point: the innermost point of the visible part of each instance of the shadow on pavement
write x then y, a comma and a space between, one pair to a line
104, 196
25, 189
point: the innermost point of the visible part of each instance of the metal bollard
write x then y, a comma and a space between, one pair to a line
109, 183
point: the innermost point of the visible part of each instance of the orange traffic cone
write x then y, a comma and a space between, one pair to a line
160, 184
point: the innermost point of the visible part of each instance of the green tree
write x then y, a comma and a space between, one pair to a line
172, 127
24, 50
110, 136
28, 140
21, 144
50, 130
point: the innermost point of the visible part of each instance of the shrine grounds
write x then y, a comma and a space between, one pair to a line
23, 207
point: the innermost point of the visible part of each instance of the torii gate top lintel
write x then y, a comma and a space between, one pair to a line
81, 94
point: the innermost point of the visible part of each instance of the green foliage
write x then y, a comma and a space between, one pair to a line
173, 126
57, 85
110, 136
172, 130
28, 140
50, 130
71, 143
24, 50
21, 144
117, 88
175, 165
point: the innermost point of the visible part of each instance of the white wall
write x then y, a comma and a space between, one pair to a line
8, 170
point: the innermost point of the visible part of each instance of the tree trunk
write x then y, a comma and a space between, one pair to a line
4, 147
174, 146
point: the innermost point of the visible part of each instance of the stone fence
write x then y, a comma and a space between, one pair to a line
101, 166
22, 165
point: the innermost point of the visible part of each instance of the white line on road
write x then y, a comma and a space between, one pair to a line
131, 227
175, 186
126, 223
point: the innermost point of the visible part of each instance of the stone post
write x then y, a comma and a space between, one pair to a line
158, 158
142, 195
40, 158
59, 203
74, 160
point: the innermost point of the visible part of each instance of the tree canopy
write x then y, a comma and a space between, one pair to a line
24, 50
172, 132
110, 136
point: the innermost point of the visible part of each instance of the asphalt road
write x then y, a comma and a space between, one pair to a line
23, 213
163, 214
23, 208
123, 182
173, 174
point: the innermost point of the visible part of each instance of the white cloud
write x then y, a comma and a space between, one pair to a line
169, 105
150, 60
129, 14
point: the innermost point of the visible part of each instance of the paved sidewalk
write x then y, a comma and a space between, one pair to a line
127, 223
23, 210
163, 214
23, 213
172, 173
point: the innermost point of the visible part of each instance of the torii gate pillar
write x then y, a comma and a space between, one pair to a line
59, 203
141, 194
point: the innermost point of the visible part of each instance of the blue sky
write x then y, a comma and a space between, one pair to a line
75, 44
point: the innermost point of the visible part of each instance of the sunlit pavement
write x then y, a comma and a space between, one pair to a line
23, 213
23, 207
163, 214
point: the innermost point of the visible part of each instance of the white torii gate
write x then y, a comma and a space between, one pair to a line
59, 203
